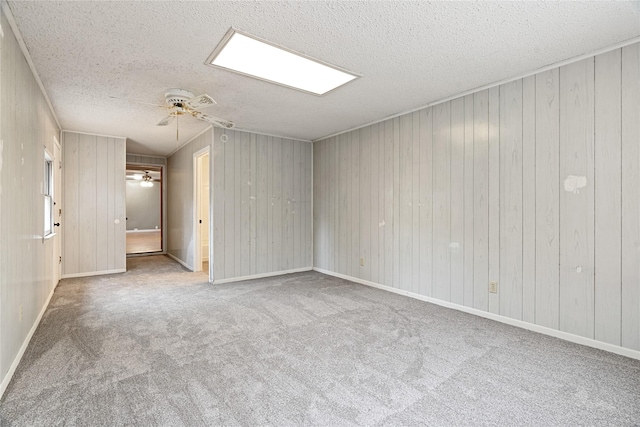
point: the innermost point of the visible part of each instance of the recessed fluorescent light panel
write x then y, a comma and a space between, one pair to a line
253, 57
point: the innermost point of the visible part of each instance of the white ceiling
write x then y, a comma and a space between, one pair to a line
410, 53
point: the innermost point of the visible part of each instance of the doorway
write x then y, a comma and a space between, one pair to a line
201, 209
144, 209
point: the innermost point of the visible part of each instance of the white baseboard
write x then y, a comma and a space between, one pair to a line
12, 369
260, 276
634, 354
179, 261
93, 273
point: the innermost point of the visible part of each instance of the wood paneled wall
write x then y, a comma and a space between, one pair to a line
533, 184
261, 203
94, 209
27, 128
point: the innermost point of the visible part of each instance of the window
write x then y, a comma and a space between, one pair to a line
48, 194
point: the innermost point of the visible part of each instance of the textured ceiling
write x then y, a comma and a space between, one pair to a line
410, 53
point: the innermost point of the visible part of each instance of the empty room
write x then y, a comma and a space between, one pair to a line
332, 213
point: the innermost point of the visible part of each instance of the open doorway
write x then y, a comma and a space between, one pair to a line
201, 211
144, 209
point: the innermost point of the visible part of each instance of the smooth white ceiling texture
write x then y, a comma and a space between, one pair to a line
409, 53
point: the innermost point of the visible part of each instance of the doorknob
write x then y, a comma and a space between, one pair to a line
57, 224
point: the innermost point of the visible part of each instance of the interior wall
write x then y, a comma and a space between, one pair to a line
94, 215
261, 203
532, 184
203, 216
27, 128
143, 206
180, 201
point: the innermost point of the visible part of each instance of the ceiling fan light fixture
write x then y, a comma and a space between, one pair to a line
146, 184
147, 180
248, 55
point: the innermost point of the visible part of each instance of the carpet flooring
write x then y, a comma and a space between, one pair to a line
158, 346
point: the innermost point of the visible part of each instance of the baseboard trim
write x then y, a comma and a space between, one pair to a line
633, 354
260, 276
179, 261
12, 369
93, 273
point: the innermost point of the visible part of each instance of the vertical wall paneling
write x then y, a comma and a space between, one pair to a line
405, 209
253, 200
456, 245
27, 129
608, 203
256, 205
94, 204
364, 193
442, 201
230, 213
528, 199
287, 204
468, 201
243, 143
630, 197
389, 188
577, 198
494, 195
532, 184
70, 181
426, 202
481, 200
548, 187
415, 203
298, 251
374, 199
219, 208
354, 229
511, 244
395, 254
102, 209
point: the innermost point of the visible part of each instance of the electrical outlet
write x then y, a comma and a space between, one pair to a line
20, 314
362, 262
493, 287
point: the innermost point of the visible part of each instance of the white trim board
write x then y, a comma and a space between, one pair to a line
179, 261
633, 354
93, 273
12, 369
260, 276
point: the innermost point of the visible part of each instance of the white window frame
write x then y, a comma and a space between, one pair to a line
47, 192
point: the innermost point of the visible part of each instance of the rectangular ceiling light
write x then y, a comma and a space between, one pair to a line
250, 56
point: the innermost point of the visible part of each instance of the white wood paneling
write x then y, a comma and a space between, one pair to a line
27, 129
630, 197
94, 212
456, 245
511, 193
442, 201
486, 175
577, 205
481, 200
608, 202
260, 223
547, 148
529, 199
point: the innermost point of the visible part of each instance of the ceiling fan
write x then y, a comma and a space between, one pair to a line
146, 180
181, 102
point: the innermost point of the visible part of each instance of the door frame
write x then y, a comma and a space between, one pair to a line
57, 210
197, 242
163, 204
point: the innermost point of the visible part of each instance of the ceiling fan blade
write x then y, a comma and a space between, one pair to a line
200, 101
213, 120
166, 120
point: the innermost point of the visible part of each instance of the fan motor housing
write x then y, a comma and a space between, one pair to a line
177, 96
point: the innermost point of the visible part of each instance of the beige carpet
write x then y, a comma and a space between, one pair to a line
159, 346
